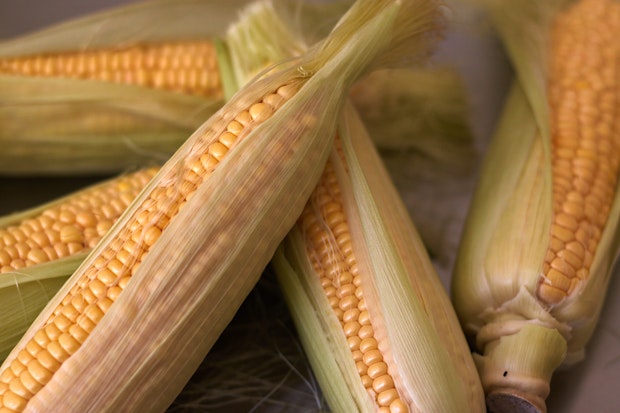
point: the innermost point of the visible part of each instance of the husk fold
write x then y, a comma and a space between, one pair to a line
500, 261
409, 308
179, 301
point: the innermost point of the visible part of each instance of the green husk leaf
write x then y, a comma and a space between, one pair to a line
24, 293
311, 312
418, 118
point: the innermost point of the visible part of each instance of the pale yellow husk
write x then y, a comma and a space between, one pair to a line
406, 300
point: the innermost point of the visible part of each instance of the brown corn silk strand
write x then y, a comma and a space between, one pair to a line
328, 244
584, 90
100, 285
188, 67
73, 226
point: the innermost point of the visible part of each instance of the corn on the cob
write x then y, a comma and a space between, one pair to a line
184, 66
531, 285
228, 194
359, 283
41, 247
65, 124
72, 225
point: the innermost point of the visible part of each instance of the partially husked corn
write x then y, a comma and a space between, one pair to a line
328, 240
90, 298
72, 226
583, 96
182, 66
541, 238
361, 289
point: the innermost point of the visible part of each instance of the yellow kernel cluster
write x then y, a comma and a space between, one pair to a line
100, 285
328, 243
584, 95
188, 67
72, 226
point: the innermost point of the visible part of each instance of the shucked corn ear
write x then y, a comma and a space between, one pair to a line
373, 316
41, 247
147, 304
542, 234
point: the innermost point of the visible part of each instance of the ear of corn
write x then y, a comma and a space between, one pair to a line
361, 287
542, 235
61, 125
41, 247
164, 282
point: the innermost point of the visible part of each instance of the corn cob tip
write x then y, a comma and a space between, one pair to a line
516, 369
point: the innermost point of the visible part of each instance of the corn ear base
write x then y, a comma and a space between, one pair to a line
426, 349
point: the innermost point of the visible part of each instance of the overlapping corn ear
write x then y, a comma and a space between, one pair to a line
120, 88
96, 94
150, 300
372, 313
542, 233
42, 246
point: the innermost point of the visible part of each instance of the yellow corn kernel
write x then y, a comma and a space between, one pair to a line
585, 160
188, 67
70, 226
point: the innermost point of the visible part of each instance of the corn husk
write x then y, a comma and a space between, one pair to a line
179, 301
419, 120
403, 293
521, 341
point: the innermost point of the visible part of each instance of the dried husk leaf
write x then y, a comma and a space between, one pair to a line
506, 234
179, 301
404, 296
